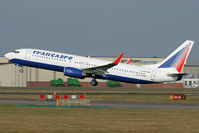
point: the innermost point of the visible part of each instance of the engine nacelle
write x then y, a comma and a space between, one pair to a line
74, 72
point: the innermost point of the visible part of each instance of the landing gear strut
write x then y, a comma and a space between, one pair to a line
94, 82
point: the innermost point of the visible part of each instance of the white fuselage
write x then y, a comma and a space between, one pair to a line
58, 61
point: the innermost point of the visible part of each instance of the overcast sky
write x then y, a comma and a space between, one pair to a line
139, 28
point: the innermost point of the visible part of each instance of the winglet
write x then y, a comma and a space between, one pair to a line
118, 59
129, 60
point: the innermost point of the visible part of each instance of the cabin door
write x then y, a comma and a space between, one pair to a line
28, 54
153, 75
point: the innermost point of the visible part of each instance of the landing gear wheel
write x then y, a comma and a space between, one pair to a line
94, 83
21, 70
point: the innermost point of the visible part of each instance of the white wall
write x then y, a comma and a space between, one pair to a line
10, 76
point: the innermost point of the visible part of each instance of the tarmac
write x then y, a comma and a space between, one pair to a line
105, 104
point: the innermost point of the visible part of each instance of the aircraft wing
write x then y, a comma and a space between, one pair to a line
100, 70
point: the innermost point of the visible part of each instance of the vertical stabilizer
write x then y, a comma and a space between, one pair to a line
178, 58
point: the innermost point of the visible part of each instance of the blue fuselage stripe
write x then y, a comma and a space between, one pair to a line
126, 79
38, 65
173, 61
61, 69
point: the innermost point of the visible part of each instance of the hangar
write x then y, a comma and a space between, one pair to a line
11, 77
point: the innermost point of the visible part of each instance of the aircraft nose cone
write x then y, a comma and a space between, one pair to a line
7, 55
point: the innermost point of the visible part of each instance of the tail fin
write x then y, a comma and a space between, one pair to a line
178, 58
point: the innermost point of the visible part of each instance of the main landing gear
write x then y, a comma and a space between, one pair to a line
94, 82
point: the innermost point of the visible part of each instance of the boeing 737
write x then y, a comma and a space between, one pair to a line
169, 70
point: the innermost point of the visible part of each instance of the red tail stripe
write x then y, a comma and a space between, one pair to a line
180, 65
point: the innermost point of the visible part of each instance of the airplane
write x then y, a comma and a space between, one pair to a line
169, 70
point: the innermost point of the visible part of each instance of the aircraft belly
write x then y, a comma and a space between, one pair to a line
126, 79
39, 65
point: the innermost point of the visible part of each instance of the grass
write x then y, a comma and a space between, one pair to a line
118, 97
108, 89
145, 98
87, 120
15, 119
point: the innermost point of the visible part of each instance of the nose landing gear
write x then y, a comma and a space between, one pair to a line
20, 68
94, 82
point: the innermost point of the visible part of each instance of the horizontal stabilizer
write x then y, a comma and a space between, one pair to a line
179, 76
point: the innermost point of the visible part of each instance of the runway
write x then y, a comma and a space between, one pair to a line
108, 104
146, 105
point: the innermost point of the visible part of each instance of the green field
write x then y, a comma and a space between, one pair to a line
154, 97
88, 120
14, 119
116, 97
108, 89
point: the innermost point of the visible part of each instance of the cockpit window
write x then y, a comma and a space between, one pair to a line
16, 52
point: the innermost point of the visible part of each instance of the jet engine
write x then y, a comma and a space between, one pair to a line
74, 72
